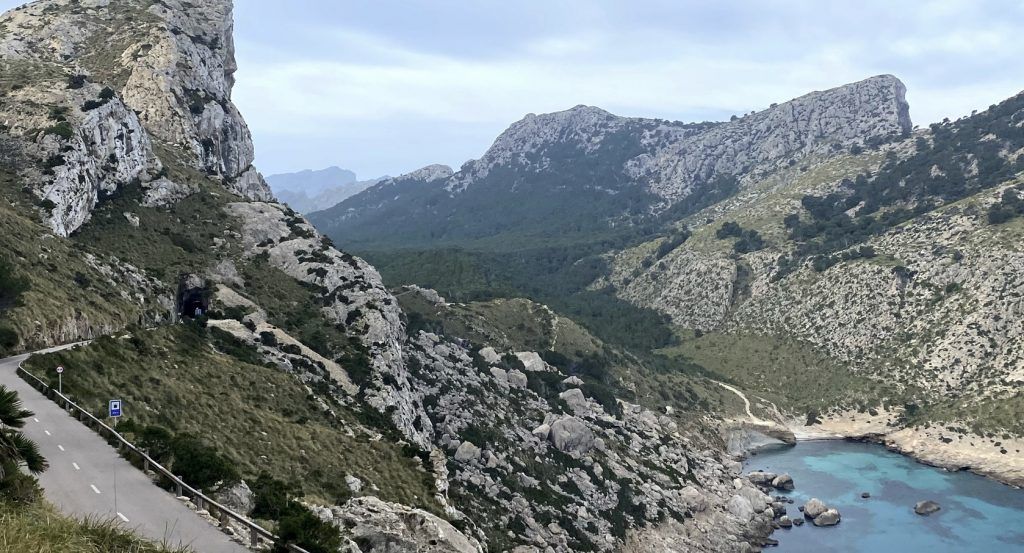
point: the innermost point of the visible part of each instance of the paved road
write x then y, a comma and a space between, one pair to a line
87, 478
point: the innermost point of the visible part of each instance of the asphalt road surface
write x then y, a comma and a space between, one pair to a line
87, 477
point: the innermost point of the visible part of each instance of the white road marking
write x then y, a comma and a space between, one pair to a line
76, 466
94, 488
47, 432
124, 518
60, 447
35, 419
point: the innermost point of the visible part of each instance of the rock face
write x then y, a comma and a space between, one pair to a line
375, 526
172, 84
806, 125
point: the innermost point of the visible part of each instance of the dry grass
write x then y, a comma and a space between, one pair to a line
39, 528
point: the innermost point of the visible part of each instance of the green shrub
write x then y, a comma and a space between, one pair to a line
200, 465
62, 129
303, 528
11, 285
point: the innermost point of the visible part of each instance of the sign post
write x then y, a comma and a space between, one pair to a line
114, 410
60, 379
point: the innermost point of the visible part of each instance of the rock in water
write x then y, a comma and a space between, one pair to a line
783, 482
814, 508
865, 495
926, 507
761, 478
829, 518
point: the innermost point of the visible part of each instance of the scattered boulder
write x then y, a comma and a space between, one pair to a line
761, 478
865, 495
570, 435
542, 431
829, 518
798, 522
467, 452
238, 498
489, 355
574, 398
354, 484
693, 499
517, 378
572, 382
813, 508
740, 508
785, 522
926, 507
783, 482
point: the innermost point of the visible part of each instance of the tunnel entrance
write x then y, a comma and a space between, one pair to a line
193, 297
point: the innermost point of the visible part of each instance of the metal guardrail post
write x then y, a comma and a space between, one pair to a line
254, 540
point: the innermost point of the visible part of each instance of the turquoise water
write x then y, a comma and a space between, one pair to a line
978, 514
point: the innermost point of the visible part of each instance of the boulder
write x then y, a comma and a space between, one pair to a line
517, 378
865, 495
785, 522
814, 508
382, 527
354, 484
926, 507
829, 518
542, 431
783, 482
238, 498
761, 478
467, 452
570, 435
575, 399
500, 375
693, 499
740, 507
572, 382
798, 522
531, 361
489, 355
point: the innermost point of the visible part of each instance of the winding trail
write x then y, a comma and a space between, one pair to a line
746, 403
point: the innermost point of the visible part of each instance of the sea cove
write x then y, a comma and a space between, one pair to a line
977, 513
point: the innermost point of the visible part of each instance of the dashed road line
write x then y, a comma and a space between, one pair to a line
94, 488
122, 517
76, 466
60, 447
47, 432
35, 419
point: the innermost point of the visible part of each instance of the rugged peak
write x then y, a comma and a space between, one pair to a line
430, 173
816, 123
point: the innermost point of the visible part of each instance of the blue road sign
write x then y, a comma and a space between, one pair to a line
115, 408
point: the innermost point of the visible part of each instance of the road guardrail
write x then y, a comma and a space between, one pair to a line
202, 501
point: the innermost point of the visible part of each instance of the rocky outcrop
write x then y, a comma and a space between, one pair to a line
353, 296
813, 123
167, 80
375, 526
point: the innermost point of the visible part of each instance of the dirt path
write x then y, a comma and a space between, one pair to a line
746, 403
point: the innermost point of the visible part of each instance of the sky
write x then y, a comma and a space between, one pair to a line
388, 86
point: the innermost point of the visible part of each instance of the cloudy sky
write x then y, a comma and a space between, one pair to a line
387, 86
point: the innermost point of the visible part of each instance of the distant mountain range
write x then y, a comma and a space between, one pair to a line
307, 191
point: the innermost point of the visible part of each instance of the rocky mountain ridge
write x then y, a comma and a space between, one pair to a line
308, 191
638, 167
